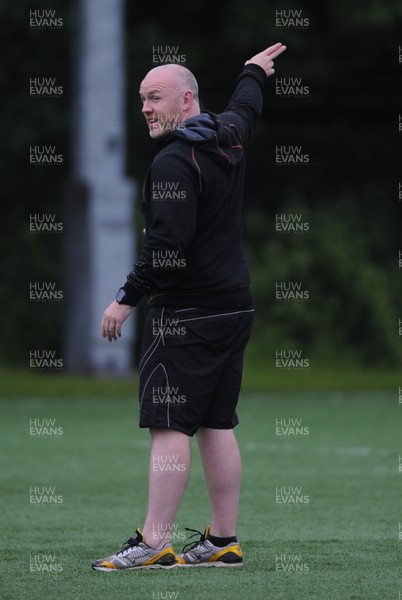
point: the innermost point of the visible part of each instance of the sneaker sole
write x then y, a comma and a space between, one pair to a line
135, 568
218, 564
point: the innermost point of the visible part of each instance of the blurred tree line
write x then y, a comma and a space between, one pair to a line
347, 260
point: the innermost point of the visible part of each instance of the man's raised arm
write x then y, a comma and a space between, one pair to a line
246, 103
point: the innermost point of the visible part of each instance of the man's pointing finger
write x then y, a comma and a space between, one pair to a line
277, 52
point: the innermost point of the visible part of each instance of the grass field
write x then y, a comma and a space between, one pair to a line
336, 537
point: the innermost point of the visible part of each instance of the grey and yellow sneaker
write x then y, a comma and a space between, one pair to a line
137, 555
203, 553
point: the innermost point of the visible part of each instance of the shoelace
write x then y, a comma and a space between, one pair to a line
127, 545
192, 545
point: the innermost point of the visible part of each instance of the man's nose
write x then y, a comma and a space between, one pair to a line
146, 108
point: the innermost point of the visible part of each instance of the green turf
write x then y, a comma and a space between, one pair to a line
345, 537
256, 378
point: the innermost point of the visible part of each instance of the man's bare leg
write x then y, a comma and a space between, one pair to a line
169, 469
222, 466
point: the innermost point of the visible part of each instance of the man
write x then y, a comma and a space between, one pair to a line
194, 273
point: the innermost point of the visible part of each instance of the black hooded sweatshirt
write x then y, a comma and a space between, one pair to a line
193, 253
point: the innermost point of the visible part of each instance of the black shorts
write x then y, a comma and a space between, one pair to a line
191, 367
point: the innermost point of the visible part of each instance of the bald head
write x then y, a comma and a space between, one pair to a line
177, 75
169, 94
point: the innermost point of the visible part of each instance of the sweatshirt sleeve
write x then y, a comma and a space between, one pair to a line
245, 105
173, 191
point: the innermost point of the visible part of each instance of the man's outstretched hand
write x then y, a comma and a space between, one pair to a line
113, 318
265, 58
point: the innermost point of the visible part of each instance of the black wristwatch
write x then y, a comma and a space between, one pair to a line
121, 297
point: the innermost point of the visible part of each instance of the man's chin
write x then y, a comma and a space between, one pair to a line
156, 134
163, 130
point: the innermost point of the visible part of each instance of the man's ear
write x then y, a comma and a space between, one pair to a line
188, 100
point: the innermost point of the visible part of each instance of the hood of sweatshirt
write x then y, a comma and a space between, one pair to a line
212, 135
